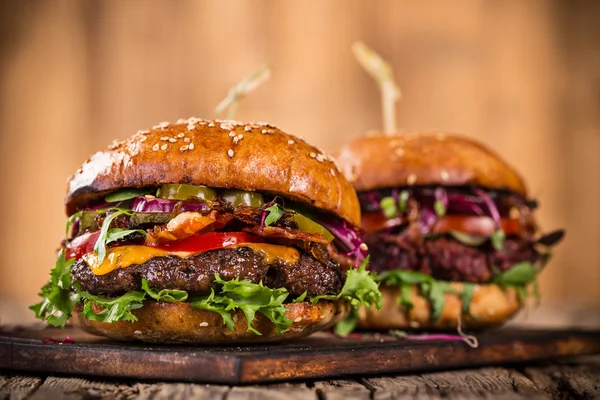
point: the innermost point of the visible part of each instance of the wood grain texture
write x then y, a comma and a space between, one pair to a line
18, 387
575, 379
179, 391
317, 357
294, 392
342, 389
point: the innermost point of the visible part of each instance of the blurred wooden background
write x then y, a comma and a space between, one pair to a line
522, 76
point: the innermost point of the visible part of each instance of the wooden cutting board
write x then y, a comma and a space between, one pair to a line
320, 356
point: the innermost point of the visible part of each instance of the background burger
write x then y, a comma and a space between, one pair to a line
450, 230
208, 232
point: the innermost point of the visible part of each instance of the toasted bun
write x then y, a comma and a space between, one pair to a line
221, 154
379, 161
180, 323
491, 305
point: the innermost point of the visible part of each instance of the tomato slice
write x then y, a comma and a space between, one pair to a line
207, 241
475, 225
81, 245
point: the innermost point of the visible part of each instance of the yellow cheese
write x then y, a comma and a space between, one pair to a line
124, 256
272, 252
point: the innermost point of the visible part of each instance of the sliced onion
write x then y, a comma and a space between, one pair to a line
467, 239
156, 205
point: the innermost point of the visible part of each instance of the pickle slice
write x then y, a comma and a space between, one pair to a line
180, 191
242, 197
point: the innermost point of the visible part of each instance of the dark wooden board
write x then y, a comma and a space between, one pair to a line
319, 356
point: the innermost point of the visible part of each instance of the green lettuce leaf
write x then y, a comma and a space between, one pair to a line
58, 298
250, 298
348, 324
466, 295
167, 295
115, 309
119, 233
497, 239
100, 246
360, 288
127, 194
520, 274
70, 222
275, 213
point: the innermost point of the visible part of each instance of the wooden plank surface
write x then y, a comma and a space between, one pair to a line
577, 379
320, 356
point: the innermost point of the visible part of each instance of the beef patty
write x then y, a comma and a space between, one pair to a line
444, 258
195, 274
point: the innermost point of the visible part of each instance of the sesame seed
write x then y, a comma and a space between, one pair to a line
270, 131
363, 247
164, 146
230, 153
191, 127
312, 154
298, 319
444, 175
142, 132
332, 171
247, 128
187, 140
191, 146
184, 147
143, 138
264, 131
164, 138
163, 124
180, 135
181, 121
204, 324
211, 125
290, 141
330, 158
226, 126
137, 332
155, 147
172, 140
320, 157
231, 134
241, 136
411, 179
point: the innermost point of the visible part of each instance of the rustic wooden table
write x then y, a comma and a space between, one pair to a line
577, 378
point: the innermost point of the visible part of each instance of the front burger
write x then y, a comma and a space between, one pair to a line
450, 230
208, 232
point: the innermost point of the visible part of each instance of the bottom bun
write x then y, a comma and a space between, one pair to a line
491, 305
180, 323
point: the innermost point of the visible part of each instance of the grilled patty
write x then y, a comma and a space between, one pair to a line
444, 258
195, 274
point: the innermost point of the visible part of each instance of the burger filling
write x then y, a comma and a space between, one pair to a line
431, 235
219, 250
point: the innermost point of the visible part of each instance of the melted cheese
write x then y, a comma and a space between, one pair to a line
125, 256
122, 257
273, 252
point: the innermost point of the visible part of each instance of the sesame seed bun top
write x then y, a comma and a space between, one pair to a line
220, 154
377, 161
